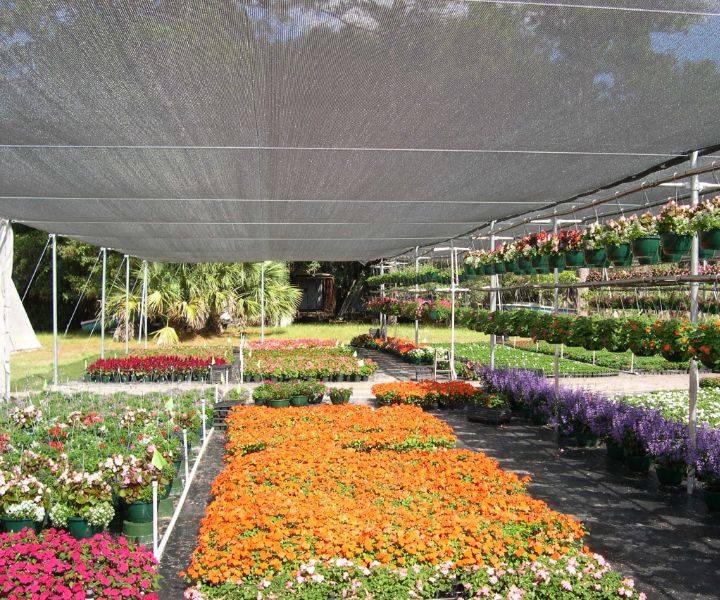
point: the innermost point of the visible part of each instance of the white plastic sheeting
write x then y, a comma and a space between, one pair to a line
6, 261
342, 129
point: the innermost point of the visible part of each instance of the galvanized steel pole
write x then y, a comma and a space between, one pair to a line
694, 264
102, 303
262, 301
127, 304
54, 308
453, 274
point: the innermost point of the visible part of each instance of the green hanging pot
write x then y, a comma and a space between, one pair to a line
138, 512
524, 264
511, 266
619, 255
706, 254
675, 244
541, 263
470, 271
499, 268
710, 240
488, 270
574, 259
649, 260
595, 257
557, 261
669, 258
646, 247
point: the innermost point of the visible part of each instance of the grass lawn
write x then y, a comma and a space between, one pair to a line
33, 370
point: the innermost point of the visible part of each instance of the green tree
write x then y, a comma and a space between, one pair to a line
189, 298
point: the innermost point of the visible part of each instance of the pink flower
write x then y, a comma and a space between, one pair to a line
565, 584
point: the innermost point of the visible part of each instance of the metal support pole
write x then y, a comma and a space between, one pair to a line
417, 295
145, 301
185, 453
202, 407
127, 304
155, 516
453, 286
102, 303
694, 383
493, 301
54, 308
242, 358
556, 305
262, 301
382, 295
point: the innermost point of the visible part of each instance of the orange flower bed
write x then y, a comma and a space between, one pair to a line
424, 392
309, 496
397, 428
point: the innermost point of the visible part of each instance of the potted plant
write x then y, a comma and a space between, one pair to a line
82, 503
707, 465
550, 247
625, 431
673, 336
570, 243
526, 251
641, 336
612, 334
705, 344
675, 229
22, 500
488, 407
540, 260
340, 395
642, 234
668, 444
617, 246
594, 245
585, 332
706, 222
134, 476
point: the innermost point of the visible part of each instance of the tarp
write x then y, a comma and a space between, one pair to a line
6, 284
22, 335
342, 129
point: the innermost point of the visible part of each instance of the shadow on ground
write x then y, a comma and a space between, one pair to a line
665, 540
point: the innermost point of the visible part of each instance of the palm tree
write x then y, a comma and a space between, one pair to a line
190, 298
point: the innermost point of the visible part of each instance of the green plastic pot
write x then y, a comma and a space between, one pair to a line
524, 264
278, 403
646, 247
595, 257
669, 477
557, 261
541, 263
649, 260
614, 451
499, 268
299, 401
488, 269
17, 525
710, 240
638, 463
138, 512
712, 500
669, 258
574, 259
706, 254
619, 255
511, 266
585, 439
80, 529
339, 400
675, 244
470, 271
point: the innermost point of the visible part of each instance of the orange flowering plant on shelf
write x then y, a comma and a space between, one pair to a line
310, 516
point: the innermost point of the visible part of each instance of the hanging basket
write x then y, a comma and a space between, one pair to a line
669, 258
646, 247
710, 240
619, 255
499, 268
488, 269
675, 244
511, 266
596, 257
574, 259
557, 261
541, 263
706, 254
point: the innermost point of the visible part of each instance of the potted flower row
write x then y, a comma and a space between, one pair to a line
151, 368
408, 277
289, 393
638, 436
675, 339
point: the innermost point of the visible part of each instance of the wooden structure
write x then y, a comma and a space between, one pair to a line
318, 296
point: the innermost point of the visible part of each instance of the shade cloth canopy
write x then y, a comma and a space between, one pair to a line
216, 130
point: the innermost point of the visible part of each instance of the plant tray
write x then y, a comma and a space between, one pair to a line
493, 416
